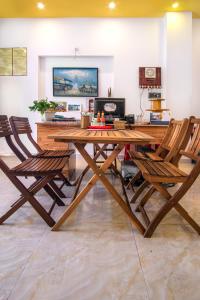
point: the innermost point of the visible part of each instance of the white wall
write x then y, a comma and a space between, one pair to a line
195, 104
125, 43
178, 63
131, 43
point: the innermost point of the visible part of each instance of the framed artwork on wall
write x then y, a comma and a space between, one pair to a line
74, 107
13, 61
75, 82
61, 106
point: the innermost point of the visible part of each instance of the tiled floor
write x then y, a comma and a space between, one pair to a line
97, 255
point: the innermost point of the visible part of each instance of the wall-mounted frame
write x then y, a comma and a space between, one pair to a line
13, 61
74, 107
75, 82
150, 77
61, 106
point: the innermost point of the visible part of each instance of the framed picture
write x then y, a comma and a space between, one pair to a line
13, 61
74, 107
62, 106
75, 82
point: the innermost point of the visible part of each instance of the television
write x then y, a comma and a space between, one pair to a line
75, 82
112, 108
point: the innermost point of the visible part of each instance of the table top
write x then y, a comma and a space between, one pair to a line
102, 136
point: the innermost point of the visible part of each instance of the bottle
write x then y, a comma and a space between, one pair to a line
109, 92
102, 118
98, 117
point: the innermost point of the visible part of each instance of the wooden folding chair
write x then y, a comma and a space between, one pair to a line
44, 170
176, 138
157, 173
21, 125
52, 189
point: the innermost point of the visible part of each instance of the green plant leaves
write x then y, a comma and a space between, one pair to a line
43, 105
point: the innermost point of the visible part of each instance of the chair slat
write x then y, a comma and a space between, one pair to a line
5, 129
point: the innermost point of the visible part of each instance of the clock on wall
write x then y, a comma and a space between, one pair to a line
150, 77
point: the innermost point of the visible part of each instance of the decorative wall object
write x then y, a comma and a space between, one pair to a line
61, 106
6, 61
149, 77
13, 61
75, 82
74, 107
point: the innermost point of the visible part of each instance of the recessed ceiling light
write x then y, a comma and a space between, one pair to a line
112, 5
40, 5
175, 5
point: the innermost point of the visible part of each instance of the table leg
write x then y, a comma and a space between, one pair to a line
100, 151
86, 189
100, 172
117, 173
99, 175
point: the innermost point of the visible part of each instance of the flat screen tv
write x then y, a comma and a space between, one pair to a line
112, 107
75, 82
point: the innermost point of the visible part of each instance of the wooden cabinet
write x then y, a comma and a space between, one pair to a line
157, 131
44, 129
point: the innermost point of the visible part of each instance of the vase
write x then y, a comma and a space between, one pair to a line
43, 118
49, 115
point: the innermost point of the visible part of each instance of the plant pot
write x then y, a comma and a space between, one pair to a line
49, 115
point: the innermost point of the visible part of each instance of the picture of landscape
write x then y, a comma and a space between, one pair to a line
75, 82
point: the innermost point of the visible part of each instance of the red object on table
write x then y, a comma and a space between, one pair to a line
101, 127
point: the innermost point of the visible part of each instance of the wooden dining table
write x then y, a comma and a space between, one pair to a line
80, 138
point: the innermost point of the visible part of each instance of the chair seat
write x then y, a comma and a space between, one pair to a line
39, 166
160, 171
54, 153
145, 155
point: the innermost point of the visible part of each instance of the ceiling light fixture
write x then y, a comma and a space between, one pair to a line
112, 5
175, 5
40, 5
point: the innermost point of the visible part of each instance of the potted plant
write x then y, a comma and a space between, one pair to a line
46, 108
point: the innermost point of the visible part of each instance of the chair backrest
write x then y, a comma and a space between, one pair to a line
6, 131
192, 150
176, 138
21, 125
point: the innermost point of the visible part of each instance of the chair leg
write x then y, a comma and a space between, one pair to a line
187, 217
145, 199
139, 191
12, 210
134, 179
65, 181
56, 189
53, 195
33, 201
79, 183
98, 151
27, 195
172, 202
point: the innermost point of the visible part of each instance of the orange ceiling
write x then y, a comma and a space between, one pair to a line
94, 8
